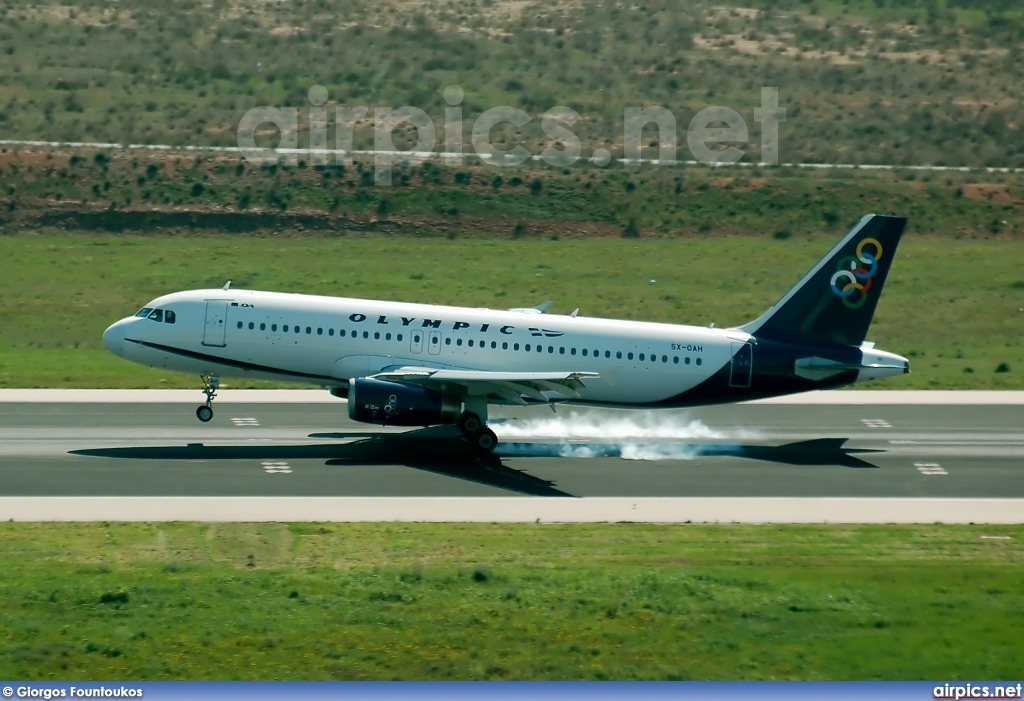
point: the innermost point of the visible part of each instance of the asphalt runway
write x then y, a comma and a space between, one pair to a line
153, 449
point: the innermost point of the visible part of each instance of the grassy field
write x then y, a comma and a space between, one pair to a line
88, 189
273, 601
863, 81
953, 307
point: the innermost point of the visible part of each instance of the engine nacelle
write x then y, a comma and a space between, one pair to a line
391, 403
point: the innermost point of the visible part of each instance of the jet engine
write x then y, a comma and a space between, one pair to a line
392, 403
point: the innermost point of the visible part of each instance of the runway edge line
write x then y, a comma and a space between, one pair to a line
720, 510
314, 396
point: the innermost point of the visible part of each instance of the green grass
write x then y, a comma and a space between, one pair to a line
346, 601
949, 305
85, 189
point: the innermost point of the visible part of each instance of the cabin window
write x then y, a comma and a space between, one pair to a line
366, 334
698, 361
629, 356
494, 345
551, 349
251, 326
448, 341
664, 358
675, 359
572, 351
458, 342
516, 347
319, 332
263, 327
297, 329
504, 345
641, 357
156, 315
169, 317
607, 354
433, 340
597, 353
399, 337
239, 324
330, 332
308, 330
341, 333
561, 350
376, 335
273, 327
284, 328
584, 352
686, 360
527, 347
387, 337
618, 355
470, 343
144, 312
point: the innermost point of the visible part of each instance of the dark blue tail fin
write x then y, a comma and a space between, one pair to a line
835, 301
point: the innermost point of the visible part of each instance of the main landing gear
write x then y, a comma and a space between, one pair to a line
476, 433
210, 384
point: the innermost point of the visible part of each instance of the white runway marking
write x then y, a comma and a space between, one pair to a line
315, 396
930, 468
276, 468
246, 421
876, 423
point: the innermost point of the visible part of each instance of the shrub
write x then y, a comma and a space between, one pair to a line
1003, 367
114, 597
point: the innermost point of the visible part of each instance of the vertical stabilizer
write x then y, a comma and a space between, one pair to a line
835, 301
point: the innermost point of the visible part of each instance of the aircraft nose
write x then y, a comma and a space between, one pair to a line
113, 338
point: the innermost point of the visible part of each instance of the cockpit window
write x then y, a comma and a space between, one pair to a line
144, 312
156, 315
169, 317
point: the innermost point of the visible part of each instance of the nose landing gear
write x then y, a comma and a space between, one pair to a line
210, 384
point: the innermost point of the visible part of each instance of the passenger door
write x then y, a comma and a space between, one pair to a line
742, 364
216, 323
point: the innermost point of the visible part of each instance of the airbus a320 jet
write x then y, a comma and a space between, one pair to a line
405, 364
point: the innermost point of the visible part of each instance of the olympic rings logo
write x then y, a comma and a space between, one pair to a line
853, 274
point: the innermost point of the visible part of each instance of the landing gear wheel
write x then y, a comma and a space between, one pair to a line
210, 385
485, 441
469, 423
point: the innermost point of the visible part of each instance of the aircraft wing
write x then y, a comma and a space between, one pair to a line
508, 387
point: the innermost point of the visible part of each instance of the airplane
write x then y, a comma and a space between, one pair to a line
404, 364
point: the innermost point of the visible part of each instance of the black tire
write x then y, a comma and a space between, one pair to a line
485, 441
204, 413
469, 423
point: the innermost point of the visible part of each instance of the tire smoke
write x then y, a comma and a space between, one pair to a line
634, 435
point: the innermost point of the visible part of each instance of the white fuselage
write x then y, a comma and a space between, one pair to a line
329, 340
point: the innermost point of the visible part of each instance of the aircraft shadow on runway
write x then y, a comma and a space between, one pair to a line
433, 450
440, 451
